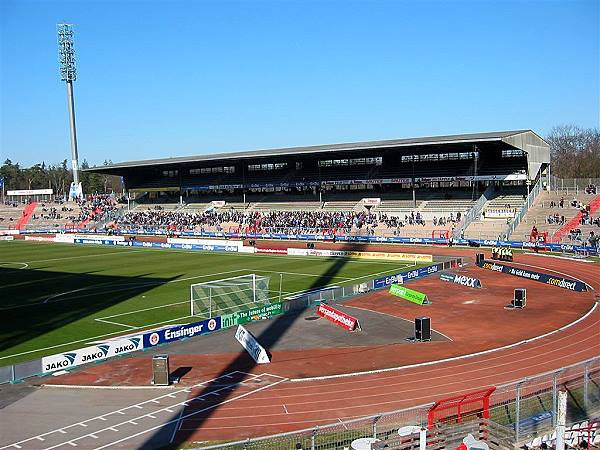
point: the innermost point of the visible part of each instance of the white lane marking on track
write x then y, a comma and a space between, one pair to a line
285, 409
455, 358
120, 411
189, 415
396, 317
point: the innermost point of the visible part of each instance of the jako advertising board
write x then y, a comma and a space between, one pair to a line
90, 354
182, 331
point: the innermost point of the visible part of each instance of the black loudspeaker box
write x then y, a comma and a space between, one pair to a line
520, 299
422, 329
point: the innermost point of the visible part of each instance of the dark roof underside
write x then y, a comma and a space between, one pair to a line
411, 142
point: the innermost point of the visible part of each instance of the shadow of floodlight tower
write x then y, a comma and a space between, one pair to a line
68, 74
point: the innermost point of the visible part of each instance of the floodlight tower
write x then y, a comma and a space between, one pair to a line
66, 54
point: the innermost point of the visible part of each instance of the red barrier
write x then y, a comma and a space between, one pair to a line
338, 317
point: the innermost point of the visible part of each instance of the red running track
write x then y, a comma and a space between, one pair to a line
295, 405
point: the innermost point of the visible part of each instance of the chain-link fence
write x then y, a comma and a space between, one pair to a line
518, 412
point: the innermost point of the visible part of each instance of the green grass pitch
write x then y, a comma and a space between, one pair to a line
59, 297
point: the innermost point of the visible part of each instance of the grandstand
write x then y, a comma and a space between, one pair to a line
549, 204
430, 177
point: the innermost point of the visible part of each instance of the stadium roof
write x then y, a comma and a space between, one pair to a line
509, 137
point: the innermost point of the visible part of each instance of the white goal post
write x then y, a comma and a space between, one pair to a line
226, 296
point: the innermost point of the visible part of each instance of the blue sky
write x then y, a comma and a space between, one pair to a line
158, 78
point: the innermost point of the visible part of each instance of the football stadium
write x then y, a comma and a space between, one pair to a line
315, 297
434, 293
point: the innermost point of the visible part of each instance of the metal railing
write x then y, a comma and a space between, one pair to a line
475, 211
537, 189
573, 185
519, 411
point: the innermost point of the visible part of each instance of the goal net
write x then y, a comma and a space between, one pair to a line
218, 297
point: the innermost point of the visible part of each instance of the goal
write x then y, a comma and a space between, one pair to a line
229, 295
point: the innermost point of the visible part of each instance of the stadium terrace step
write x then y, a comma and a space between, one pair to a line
575, 221
27, 213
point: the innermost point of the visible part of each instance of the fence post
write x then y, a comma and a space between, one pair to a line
586, 376
312, 438
554, 396
517, 412
375, 419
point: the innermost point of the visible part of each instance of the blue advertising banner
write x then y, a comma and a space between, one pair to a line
553, 280
407, 275
176, 333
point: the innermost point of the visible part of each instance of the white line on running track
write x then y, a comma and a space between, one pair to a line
454, 358
285, 409
396, 317
120, 411
229, 400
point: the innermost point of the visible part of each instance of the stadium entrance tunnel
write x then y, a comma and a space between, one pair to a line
37, 302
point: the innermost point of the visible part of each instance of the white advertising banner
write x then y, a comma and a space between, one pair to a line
373, 201
65, 238
98, 237
86, 355
31, 192
6, 238
205, 242
5, 232
249, 342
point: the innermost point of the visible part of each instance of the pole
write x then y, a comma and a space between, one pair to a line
280, 285
518, 412
561, 420
73, 131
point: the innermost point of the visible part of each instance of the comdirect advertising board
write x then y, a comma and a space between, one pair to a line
249, 342
172, 334
93, 353
564, 283
338, 317
461, 279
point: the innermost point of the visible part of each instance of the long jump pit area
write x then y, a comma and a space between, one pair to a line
321, 373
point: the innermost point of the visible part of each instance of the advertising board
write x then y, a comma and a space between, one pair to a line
406, 275
176, 333
408, 294
251, 345
338, 317
251, 315
222, 242
553, 280
93, 353
30, 192
461, 279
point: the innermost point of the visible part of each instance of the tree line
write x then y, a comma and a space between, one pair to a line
574, 151
57, 177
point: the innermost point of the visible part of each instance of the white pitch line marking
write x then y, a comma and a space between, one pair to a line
132, 422
93, 436
151, 416
39, 438
62, 431
138, 406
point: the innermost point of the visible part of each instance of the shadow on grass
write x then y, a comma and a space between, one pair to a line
36, 302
